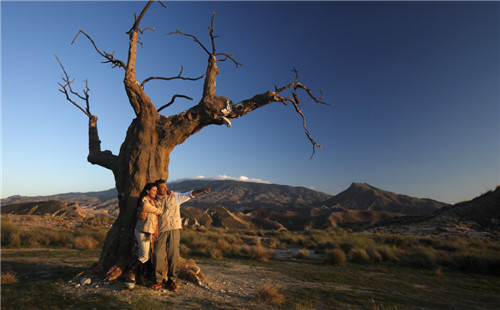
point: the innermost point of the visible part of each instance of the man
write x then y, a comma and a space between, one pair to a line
169, 232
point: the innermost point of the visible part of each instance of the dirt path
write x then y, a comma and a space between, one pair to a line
230, 285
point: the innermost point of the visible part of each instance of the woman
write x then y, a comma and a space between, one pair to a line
145, 227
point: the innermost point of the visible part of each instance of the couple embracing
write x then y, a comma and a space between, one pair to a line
159, 221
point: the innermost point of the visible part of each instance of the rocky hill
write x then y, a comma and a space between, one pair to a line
52, 207
235, 204
362, 196
477, 217
91, 203
233, 195
246, 205
243, 196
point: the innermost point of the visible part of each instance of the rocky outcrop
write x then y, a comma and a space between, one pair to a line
53, 208
362, 196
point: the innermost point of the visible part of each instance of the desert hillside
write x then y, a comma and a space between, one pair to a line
51, 207
244, 196
477, 217
362, 196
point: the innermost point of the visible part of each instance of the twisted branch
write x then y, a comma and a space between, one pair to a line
179, 76
172, 101
110, 57
257, 101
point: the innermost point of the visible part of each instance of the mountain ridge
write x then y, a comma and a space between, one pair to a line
363, 196
239, 196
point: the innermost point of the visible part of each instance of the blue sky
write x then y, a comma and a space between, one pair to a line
415, 88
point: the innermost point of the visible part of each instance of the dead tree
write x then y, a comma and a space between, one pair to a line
145, 153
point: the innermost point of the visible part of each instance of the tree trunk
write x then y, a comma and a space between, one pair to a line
145, 154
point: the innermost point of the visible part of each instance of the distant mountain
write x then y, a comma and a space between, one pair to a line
233, 195
476, 217
243, 196
246, 205
104, 202
362, 196
54, 208
238, 196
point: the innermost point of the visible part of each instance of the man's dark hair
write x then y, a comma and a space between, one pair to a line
160, 181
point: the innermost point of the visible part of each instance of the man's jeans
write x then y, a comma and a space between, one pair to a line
167, 246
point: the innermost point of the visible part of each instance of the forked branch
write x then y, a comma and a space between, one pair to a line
102, 158
67, 86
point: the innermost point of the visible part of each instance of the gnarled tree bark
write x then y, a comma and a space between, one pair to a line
145, 153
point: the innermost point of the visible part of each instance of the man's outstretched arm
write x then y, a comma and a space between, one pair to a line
200, 191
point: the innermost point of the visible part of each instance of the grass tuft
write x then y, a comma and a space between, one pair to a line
335, 257
261, 254
269, 293
9, 278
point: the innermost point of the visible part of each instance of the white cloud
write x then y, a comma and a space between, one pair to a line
224, 177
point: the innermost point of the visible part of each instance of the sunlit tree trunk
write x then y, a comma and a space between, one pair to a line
145, 154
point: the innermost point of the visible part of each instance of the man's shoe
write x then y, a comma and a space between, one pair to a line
171, 285
157, 285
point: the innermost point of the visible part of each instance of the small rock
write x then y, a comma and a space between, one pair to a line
85, 281
129, 285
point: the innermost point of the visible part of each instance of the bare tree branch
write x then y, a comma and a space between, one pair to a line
228, 56
109, 57
244, 107
172, 101
67, 85
179, 76
191, 36
96, 156
135, 26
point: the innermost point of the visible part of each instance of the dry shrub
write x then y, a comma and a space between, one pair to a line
303, 253
10, 234
184, 249
439, 272
262, 254
335, 257
216, 254
422, 257
358, 255
11, 239
8, 278
84, 243
245, 250
251, 240
223, 246
269, 293
374, 254
201, 247
389, 255
273, 242
189, 270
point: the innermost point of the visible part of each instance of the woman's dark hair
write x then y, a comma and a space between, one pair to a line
144, 192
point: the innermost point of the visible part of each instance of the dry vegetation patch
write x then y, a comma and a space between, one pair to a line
238, 270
